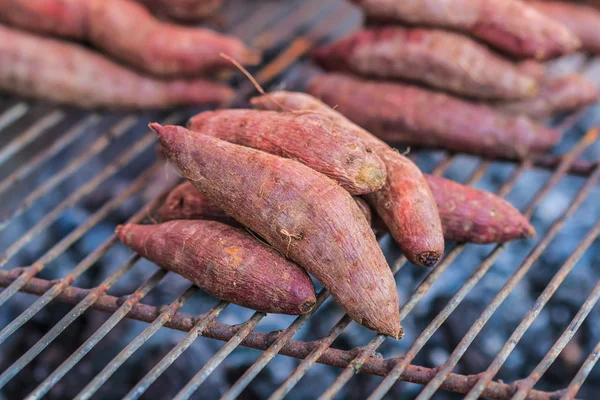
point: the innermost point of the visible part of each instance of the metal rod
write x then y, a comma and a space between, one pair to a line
12, 114
35, 131
508, 287
61, 284
73, 134
65, 321
527, 384
93, 340
152, 375
582, 374
533, 313
165, 315
188, 390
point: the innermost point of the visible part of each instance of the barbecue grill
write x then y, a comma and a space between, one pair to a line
114, 145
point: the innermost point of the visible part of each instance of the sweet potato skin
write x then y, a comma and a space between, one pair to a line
185, 202
184, 10
305, 137
557, 95
127, 31
67, 73
580, 19
509, 25
440, 59
225, 262
402, 113
472, 215
300, 212
405, 202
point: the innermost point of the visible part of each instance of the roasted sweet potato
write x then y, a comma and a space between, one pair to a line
582, 20
127, 31
509, 25
405, 203
441, 59
472, 215
402, 113
184, 10
68, 73
225, 262
186, 202
557, 95
306, 137
300, 212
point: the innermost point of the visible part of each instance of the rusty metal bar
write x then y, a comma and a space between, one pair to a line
582, 374
533, 313
527, 384
508, 287
194, 383
100, 144
165, 315
261, 341
15, 112
61, 284
73, 134
151, 376
475, 277
118, 315
65, 321
35, 131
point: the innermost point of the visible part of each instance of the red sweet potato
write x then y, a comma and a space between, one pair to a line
300, 212
557, 95
509, 25
472, 215
396, 112
582, 20
127, 31
405, 203
68, 73
185, 202
306, 137
467, 214
225, 262
441, 59
533, 68
184, 10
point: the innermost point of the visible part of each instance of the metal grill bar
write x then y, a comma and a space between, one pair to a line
203, 321
535, 310
481, 270
30, 135
582, 374
435, 383
166, 314
12, 114
69, 137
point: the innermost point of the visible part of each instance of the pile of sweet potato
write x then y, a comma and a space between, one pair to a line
146, 62
461, 75
293, 187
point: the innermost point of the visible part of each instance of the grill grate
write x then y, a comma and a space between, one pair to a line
291, 30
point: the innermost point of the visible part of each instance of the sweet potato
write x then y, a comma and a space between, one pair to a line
405, 203
396, 112
184, 10
467, 214
185, 202
300, 212
472, 215
509, 25
68, 73
582, 20
225, 262
440, 59
306, 137
557, 95
127, 31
